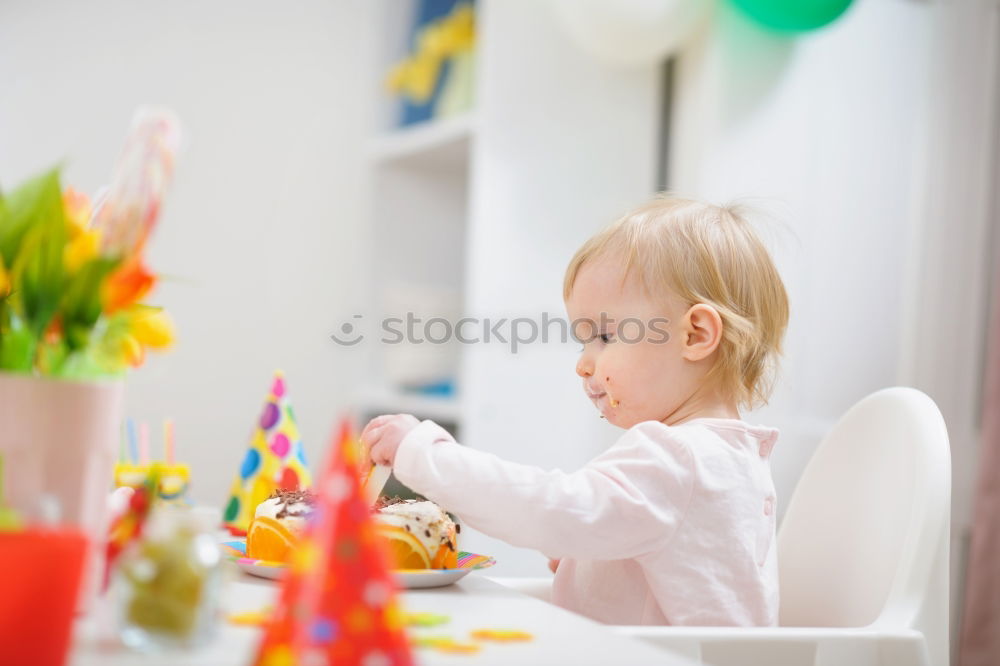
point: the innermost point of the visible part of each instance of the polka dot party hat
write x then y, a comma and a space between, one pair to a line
338, 599
275, 459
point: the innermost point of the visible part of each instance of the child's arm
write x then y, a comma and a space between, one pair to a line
626, 502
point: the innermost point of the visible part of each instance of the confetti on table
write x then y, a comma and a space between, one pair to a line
446, 644
257, 618
501, 635
458, 648
426, 619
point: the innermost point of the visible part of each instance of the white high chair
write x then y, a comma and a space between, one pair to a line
862, 551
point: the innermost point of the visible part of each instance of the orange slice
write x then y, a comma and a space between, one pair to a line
405, 549
445, 558
268, 539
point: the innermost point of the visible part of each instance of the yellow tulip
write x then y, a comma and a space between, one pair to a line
131, 351
82, 248
76, 208
152, 328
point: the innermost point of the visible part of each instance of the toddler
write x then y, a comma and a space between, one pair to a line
681, 313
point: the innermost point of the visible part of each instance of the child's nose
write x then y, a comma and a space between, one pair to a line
584, 367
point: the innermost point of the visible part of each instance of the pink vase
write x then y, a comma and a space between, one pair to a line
59, 441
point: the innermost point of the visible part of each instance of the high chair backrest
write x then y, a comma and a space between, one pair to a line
865, 536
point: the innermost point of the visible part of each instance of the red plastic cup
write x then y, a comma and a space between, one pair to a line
40, 573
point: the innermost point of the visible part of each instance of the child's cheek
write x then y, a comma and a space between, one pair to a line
611, 388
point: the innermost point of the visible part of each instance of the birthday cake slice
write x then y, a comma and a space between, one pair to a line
278, 524
420, 534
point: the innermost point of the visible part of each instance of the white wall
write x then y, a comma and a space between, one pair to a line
261, 230
843, 135
820, 132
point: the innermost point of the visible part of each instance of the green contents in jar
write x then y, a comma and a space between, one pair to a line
168, 583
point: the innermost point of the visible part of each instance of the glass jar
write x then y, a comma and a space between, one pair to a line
167, 584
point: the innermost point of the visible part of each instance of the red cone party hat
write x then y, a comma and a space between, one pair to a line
338, 599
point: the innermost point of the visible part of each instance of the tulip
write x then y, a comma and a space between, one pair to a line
77, 209
127, 285
152, 327
4, 280
81, 249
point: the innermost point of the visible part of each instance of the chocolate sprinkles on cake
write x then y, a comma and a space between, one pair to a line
289, 497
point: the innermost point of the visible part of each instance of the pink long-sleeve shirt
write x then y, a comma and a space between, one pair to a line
671, 525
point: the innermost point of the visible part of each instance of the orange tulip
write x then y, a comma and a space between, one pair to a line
4, 280
127, 285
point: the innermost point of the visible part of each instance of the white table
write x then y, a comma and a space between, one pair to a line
560, 637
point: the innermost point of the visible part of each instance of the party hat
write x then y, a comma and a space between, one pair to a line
275, 459
338, 600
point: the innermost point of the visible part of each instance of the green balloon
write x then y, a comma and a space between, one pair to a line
793, 15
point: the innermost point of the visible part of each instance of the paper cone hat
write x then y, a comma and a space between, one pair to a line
338, 600
275, 459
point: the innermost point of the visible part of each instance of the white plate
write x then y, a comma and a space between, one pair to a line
408, 578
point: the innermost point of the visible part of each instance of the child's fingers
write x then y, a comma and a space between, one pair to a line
371, 434
374, 423
379, 455
371, 440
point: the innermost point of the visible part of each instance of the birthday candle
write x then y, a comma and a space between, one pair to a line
144, 443
168, 441
133, 446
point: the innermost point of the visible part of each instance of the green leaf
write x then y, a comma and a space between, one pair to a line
80, 307
32, 240
85, 366
50, 357
37, 201
105, 349
17, 349
41, 276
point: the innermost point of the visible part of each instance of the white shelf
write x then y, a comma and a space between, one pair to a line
435, 143
392, 401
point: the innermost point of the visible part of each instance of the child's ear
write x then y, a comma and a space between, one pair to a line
702, 331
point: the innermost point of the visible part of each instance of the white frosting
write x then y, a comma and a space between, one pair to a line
295, 513
424, 520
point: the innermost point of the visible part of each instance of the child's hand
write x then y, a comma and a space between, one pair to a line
383, 434
553, 565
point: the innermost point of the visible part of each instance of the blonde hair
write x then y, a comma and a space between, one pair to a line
709, 254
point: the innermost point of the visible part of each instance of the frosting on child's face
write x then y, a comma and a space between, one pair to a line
631, 363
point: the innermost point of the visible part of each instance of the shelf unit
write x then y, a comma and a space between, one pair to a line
419, 178
477, 214
439, 145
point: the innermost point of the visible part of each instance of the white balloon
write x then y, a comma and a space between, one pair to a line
631, 32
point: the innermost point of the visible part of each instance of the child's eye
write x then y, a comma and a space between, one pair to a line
606, 337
